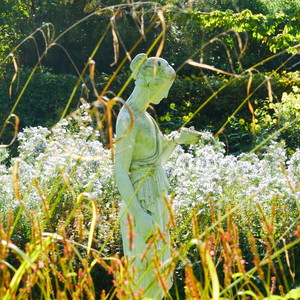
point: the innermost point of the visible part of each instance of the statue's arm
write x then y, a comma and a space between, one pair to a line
168, 147
123, 158
185, 136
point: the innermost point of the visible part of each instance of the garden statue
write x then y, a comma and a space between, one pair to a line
141, 151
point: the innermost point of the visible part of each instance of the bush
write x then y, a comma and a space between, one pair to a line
269, 119
43, 100
188, 93
41, 104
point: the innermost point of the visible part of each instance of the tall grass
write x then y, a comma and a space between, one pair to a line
234, 220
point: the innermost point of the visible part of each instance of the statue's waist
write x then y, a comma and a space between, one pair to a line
144, 172
150, 182
142, 168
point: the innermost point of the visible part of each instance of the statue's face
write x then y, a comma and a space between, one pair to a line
160, 92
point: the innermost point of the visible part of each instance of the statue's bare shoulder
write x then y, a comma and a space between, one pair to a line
125, 121
124, 115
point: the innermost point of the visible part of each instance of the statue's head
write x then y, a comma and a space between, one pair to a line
152, 71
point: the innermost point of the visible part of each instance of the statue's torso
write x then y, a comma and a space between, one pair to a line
146, 137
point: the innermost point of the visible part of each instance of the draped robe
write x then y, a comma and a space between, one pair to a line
151, 186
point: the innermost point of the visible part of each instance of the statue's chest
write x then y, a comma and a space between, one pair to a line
146, 137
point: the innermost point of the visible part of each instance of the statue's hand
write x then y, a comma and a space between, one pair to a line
145, 225
188, 136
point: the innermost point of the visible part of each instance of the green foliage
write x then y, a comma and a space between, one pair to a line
189, 92
256, 6
272, 116
43, 100
279, 6
278, 31
233, 41
11, 12
41, 104
46, 95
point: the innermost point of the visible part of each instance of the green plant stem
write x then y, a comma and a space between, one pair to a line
262, 263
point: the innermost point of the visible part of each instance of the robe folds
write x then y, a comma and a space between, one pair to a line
151, 187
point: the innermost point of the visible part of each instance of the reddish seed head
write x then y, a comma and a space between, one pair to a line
297, 232
163, 284
118, 260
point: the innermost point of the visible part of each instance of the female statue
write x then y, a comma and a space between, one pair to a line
141, 151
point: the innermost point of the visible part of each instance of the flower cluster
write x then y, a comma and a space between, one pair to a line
70, 159
204, 178
71, 154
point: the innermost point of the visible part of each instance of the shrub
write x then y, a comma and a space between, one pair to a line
189, 93
271, 117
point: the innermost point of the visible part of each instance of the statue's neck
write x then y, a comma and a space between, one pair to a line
139, 99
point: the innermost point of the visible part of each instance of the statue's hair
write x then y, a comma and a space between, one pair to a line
151, 69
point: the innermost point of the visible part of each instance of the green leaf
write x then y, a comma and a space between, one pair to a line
237, 275
293, 294
28, 262
249, 293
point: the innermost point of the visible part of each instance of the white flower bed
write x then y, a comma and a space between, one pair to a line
200, 177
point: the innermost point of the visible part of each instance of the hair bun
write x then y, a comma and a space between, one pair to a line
137, 62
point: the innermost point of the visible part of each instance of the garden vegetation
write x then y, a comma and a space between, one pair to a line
235, 195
